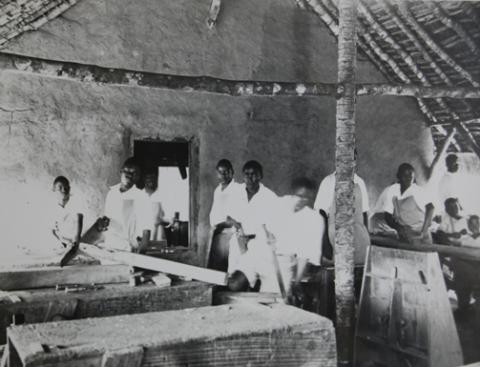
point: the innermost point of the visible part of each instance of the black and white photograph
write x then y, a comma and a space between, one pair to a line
282, 183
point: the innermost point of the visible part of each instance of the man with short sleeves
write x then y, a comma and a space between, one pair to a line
120, 205
223, 199
254, 206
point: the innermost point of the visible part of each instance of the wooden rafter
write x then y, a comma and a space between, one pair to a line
449, 22
409, 18
460, 126
17, 17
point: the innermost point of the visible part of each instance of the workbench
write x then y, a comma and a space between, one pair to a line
229, 335
42, 305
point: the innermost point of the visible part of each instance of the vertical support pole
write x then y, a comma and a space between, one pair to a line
345, 168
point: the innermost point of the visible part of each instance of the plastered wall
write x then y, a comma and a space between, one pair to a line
83, 130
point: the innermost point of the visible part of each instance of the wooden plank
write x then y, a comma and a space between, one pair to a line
151, 263
257, 335
52, 275
466, 253
396, 325
227, 298
44, 305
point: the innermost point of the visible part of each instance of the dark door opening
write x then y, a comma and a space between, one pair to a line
171, 159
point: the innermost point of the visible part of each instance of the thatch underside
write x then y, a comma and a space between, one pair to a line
428, 43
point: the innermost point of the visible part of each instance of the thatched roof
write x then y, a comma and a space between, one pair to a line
429, 43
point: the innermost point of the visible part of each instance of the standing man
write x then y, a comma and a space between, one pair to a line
224, 195
456, 184
325, 203
120, 208
150, 214
254, 206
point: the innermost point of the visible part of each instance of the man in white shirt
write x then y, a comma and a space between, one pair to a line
223, 199
120, 205
325, 203
65, 213
453, 225
410, 212
296, 235
254, 206
149, 210
457, 184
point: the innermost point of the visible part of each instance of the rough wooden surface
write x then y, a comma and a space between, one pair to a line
233, 335
162, 265
45, 305
405, 316
345, 167
466, 253
50, 276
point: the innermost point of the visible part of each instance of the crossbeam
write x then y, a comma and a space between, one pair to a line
133, 78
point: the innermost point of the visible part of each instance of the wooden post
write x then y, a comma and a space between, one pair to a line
345, 167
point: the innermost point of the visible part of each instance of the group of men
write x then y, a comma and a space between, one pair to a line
249, 220
263, 240
128, 210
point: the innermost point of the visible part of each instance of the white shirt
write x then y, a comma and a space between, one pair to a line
461, 186
326, 193
149, 212
452, 225
419, 194
255, 213
64, 219
469, 241
222, 202
298, 235
120, 208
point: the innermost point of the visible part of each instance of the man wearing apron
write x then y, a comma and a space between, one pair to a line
410, 212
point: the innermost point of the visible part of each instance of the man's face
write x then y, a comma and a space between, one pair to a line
252, 178
452, 208
151, 181
474, 225
406, 177
452, 164
302, 197
128, 176
224, 175
61, 191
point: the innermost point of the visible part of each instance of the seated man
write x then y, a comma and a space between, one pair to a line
472, 239
452, 225
120, 209
297, 239
411, 210
149, 211
252, 207
65, 216
226, 191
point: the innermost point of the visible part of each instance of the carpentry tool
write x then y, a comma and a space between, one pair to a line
68, 288
73, 248
271, 242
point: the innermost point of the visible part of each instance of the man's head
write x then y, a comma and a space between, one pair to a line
224, 171
452, 207
405, 174
61, 188
129, 173
474, 224
303, 191
252, 174
150, 179
452, 163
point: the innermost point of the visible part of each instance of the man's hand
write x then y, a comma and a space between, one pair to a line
101, 224
230, 222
